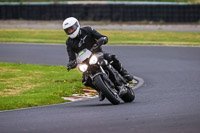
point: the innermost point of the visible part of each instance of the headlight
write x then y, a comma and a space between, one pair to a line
93, 60
83, 67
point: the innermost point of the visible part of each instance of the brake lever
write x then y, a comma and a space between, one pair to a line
95, 46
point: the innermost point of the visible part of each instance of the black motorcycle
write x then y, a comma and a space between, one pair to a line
104, 76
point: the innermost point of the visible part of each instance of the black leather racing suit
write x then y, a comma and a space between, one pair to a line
86, 39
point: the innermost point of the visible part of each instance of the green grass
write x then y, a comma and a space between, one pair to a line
115, 37
34, 85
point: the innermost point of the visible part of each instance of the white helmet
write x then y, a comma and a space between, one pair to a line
71, 27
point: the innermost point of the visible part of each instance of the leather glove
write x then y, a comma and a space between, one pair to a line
102, 40
71, 65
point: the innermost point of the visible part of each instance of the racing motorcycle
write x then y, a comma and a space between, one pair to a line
104, 76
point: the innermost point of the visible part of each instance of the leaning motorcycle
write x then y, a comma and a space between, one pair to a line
104, 76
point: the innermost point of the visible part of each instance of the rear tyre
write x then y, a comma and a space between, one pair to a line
107, 91
129, 96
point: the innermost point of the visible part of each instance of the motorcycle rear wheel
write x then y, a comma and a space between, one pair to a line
107, 91
129, 96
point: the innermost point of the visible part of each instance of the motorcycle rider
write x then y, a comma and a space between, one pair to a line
87, 37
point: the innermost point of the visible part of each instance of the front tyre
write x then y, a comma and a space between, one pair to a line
107, 91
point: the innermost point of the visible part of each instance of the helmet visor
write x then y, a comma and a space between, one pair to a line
71, 29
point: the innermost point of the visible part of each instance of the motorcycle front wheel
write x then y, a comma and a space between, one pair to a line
107, 91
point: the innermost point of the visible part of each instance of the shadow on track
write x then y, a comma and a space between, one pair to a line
105, 104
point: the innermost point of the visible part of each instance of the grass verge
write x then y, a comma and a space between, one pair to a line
34, 85
115, 37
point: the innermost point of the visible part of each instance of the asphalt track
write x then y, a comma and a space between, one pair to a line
168, 101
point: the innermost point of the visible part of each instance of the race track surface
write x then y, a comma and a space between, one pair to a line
168, 101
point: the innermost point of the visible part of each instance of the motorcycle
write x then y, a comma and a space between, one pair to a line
104, 76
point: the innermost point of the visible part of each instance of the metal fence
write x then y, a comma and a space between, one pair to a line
98, 12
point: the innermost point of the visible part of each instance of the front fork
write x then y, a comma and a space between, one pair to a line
117, 79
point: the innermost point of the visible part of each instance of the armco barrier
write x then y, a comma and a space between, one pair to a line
97, 12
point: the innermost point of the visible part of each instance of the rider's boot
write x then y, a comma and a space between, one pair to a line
101, 96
